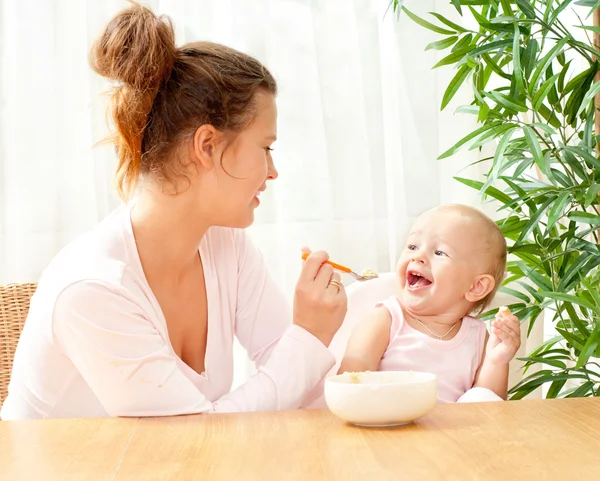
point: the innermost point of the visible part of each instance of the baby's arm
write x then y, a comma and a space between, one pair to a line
492, 376
368, 342
499, 350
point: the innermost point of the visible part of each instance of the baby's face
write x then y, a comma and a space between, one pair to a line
442, 259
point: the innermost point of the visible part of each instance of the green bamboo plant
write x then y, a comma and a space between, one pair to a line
535, 102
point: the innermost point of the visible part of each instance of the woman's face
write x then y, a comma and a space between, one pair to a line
241, 168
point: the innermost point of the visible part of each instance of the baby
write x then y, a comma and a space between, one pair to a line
452, 266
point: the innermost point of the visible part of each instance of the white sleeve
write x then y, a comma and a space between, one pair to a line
264, 328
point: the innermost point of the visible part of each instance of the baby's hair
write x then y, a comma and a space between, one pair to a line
495, 246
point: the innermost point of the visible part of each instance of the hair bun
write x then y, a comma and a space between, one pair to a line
137, 48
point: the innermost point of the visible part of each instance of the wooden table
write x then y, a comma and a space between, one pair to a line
524, 440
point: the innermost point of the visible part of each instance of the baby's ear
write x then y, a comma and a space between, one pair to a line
481, 287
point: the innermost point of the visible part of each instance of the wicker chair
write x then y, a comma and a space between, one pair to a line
14, 305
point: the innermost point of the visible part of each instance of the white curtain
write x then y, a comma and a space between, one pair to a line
359, 126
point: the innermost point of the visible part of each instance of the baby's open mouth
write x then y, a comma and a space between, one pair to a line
416, 280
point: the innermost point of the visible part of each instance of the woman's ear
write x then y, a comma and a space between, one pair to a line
205, 142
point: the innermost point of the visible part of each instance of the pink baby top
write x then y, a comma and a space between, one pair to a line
454, 362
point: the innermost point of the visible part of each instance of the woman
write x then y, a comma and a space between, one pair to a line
138, 317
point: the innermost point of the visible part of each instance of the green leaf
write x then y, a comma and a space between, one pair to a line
452, 150
454, 85
535, 219
560, 84
591, 28
542, 360
584, 154
563, 297
490, 47
504, 100
517, 73
456, 4
589, 348
543, 91
588, 130
580, 325
511, 225
506, 7
546, 128
528, 385
577, 81
447, 22
574, 164
589, 97
534, 249
558, 175
522, 194
546, 345
529, 56
592, 289
494, 66
558, 10
542, 282
549, 116
463, 43
577, 103
442, 44
545, 62
584, 217
573, 271
498, 161
582, 390
515, 293
555, 388
526, 8
426, 24
459, 55
467, 109
505, 19
454, 57
491, 191
536, 149
557, 210
591, 195
490, 135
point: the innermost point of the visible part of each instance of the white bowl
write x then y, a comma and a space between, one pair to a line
388, 398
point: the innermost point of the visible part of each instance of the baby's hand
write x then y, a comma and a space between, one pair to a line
505, 337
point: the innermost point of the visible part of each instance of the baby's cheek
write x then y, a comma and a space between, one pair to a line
399, 270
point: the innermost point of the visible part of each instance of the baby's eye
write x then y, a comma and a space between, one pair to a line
412, 247
440, 253
269, 149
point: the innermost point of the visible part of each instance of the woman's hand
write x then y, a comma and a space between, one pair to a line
320, 301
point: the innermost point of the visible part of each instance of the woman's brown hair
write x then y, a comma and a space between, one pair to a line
165, 93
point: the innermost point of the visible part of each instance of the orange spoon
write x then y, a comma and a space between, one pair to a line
344, 269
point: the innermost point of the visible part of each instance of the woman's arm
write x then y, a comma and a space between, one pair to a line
265, 328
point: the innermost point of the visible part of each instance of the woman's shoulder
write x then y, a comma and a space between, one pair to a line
100, 254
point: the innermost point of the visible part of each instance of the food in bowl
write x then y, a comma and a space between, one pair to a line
386, 398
